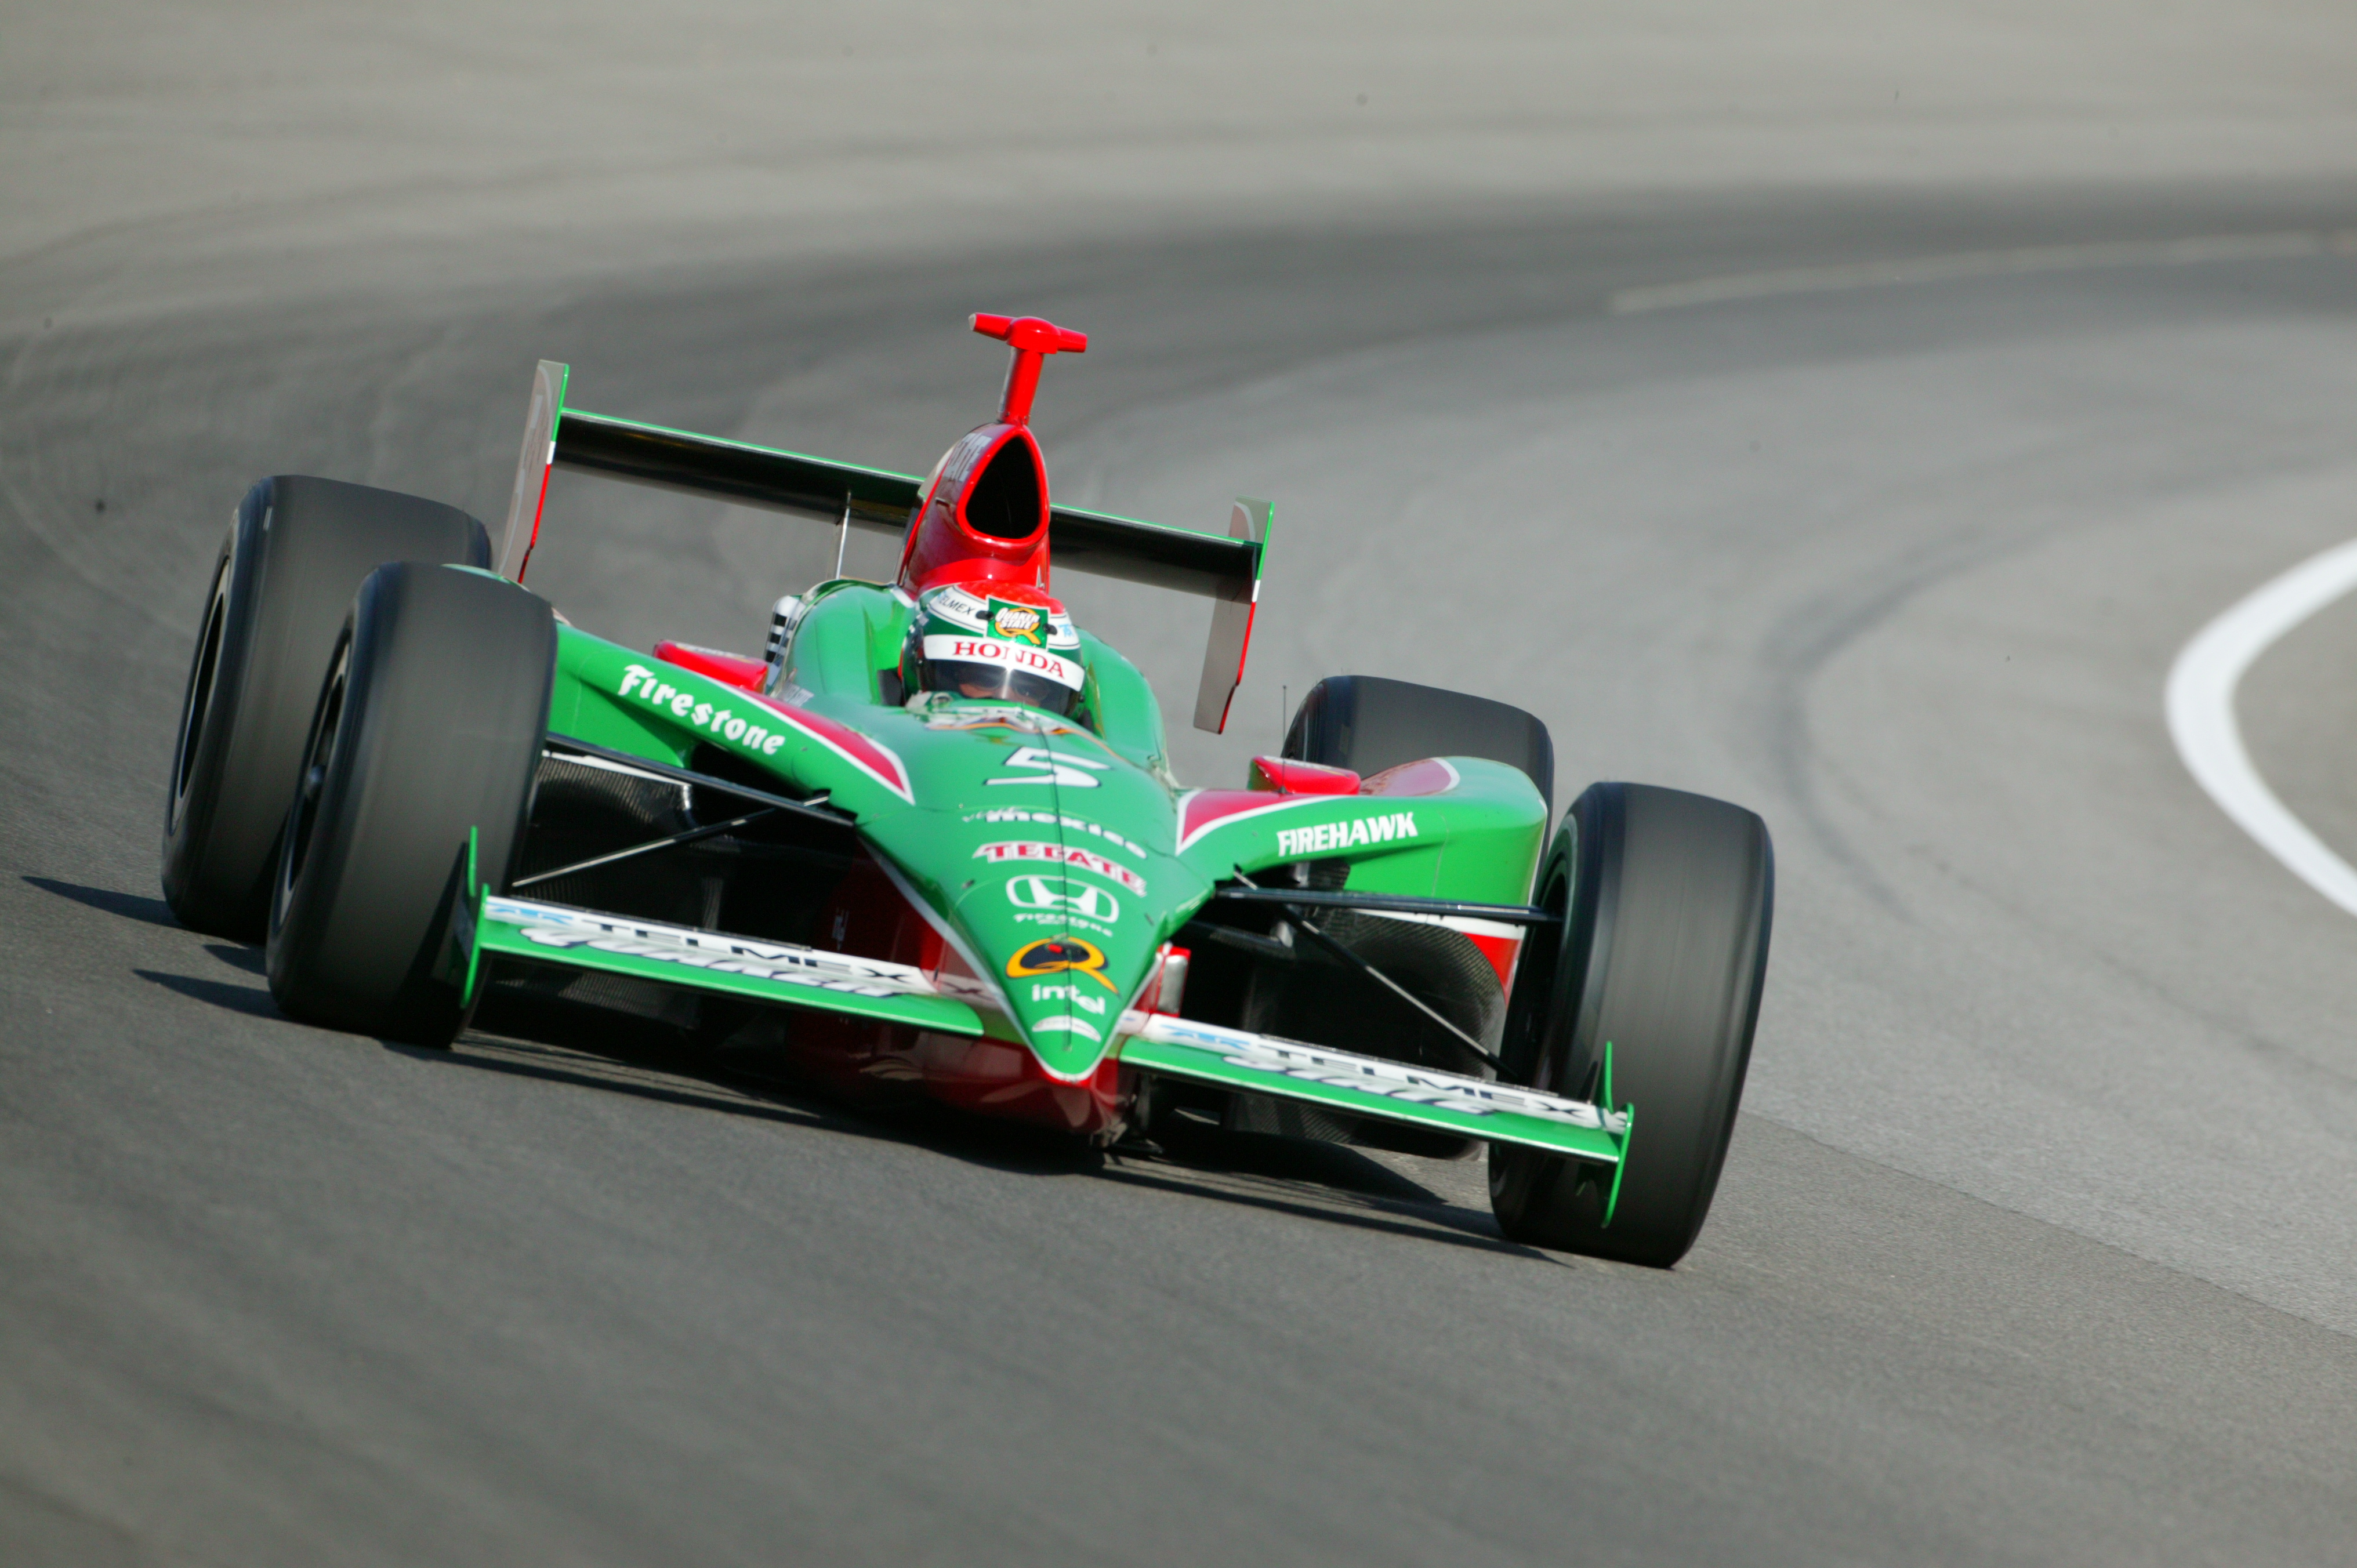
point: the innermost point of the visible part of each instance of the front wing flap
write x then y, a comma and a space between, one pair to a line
777, 972
1367, 1086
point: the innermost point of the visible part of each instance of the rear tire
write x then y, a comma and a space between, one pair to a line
1367, 723
297, 549
1668, 898
429, 725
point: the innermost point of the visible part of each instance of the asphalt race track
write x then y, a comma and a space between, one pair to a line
2035, 1242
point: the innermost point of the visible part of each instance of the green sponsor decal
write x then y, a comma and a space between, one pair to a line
1011, 622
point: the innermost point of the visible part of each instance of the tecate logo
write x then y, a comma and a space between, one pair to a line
1327, 837
1062, 893
1061, 854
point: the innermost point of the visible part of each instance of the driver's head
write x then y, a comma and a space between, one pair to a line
994, 640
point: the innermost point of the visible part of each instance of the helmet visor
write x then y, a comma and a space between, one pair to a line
999, 682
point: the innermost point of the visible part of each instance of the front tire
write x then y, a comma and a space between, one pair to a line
1668, 898
428, 728
298, 547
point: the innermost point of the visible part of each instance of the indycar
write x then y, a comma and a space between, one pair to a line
426, 792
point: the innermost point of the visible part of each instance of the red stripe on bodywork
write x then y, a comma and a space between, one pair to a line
1204, 810
728, 668
1429, 776
538, 507
876, 760
1289, 776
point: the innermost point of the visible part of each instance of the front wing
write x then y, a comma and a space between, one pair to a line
781, 972
785, 974
1368, 1086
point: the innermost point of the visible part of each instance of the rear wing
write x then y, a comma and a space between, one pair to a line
1225, 570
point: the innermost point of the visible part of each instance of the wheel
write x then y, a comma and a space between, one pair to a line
1668, 898
1367, 723
297, 549
429, 725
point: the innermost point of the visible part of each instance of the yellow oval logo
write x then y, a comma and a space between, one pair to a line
1058, 955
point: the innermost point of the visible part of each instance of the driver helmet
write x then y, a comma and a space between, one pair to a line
1004, 642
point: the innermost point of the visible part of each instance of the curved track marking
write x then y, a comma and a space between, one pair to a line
2202, 715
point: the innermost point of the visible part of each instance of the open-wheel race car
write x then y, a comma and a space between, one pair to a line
930, 842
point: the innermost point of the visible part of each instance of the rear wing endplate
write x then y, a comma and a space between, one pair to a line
1225, 570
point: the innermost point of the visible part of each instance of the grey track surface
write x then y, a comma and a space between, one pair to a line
2035, 1242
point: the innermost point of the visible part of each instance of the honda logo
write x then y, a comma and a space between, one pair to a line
1062, 893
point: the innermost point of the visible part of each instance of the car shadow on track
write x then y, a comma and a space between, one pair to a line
255, 1001
1324, 1182
616, 1054
130, 906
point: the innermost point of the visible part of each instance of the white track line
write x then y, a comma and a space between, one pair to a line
2202, 715
2207, 248
2202, 683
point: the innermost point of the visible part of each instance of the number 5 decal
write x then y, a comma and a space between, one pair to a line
1045, 766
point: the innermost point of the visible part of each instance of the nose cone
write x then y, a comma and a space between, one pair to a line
1072, 937
1049, 854
1070, 910
1065, 1002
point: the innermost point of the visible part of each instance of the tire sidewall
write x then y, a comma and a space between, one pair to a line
298, 547
360, 931
201, 758
320, 844
1685, 1081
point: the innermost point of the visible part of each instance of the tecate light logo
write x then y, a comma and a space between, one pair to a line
1061, 854
1091, 903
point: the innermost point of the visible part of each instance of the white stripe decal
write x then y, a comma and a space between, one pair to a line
560, 926
1368, 1075
2202, 715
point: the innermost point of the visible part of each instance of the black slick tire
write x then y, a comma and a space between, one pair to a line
428, 726
1668, 898
1366, 723
296, 550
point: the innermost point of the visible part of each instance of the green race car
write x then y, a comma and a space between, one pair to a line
931, 841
